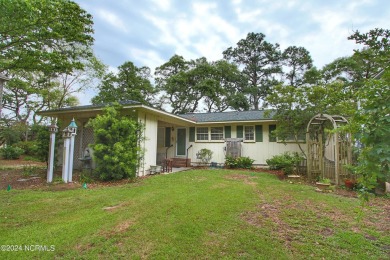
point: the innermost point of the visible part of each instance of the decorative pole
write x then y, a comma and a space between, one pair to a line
73, 129
53, 129
2, 80
66, 134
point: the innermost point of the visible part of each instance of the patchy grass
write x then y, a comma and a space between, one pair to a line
195, 214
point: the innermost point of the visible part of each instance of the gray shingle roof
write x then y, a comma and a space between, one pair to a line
123, 103
252, 115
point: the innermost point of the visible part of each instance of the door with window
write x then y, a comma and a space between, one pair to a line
181, 142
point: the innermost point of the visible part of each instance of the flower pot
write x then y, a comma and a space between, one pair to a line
322, 186
350, 184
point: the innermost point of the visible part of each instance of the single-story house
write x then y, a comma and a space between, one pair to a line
181, 137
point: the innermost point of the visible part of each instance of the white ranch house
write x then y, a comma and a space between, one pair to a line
181, 137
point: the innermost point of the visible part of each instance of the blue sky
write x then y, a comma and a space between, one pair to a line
149, 32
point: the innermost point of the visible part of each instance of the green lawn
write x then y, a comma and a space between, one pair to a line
194, 214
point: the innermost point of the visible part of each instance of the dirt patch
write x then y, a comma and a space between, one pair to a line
111, 208
238, 176
123, 226
20, 163
26, 175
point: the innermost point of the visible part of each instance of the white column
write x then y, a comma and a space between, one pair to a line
72, 129
65, 163
71, 152
52, 129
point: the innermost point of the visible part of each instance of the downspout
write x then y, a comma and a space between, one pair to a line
187, 155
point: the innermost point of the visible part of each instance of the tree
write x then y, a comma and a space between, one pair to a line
116, 149
43, 35
294, 107
226, 88
370, 124
298, 61
30, 91
186, 85
131, 83
167, 78
260, 61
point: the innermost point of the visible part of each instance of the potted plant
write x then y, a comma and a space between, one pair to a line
349, 183
323, 183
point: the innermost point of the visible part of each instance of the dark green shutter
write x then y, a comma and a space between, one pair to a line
272, 137
228, 131
192, 134
167, 136
240, 131
259, 133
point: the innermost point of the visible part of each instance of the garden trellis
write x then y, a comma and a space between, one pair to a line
329, 151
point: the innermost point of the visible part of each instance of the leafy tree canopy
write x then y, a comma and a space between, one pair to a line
130, 83
43, 35
187, 85
260, 61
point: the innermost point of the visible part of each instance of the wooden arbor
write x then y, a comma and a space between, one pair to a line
328, 152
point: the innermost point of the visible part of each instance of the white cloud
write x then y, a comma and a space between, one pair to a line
147, 58
112, 19
163, 5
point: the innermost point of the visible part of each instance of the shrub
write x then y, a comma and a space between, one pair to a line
205, 155
11, 153
29, 147
43, 142
286, 162
239, 162
116, 149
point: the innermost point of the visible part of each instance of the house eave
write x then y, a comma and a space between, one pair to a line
237, 122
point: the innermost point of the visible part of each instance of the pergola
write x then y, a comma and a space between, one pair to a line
329, 151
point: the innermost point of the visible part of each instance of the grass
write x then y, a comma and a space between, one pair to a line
194, 214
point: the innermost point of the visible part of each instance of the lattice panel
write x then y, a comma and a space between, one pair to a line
87, 138
233, 147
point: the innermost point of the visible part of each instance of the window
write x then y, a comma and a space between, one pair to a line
249, 131
160, 137
271, 129
216, 133
202, 133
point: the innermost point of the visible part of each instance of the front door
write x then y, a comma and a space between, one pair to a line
181, 142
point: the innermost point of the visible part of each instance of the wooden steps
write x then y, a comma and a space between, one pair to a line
181, 162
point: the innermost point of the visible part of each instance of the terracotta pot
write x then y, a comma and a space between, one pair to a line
350, 184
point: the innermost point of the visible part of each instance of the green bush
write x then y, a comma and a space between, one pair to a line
205, 155
29, 147
239, 162
43, 142
287, 162
116, 149
11, 153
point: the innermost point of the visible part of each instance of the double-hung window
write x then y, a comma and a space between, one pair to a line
216, 133
209, 134
249, 133
202, 133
